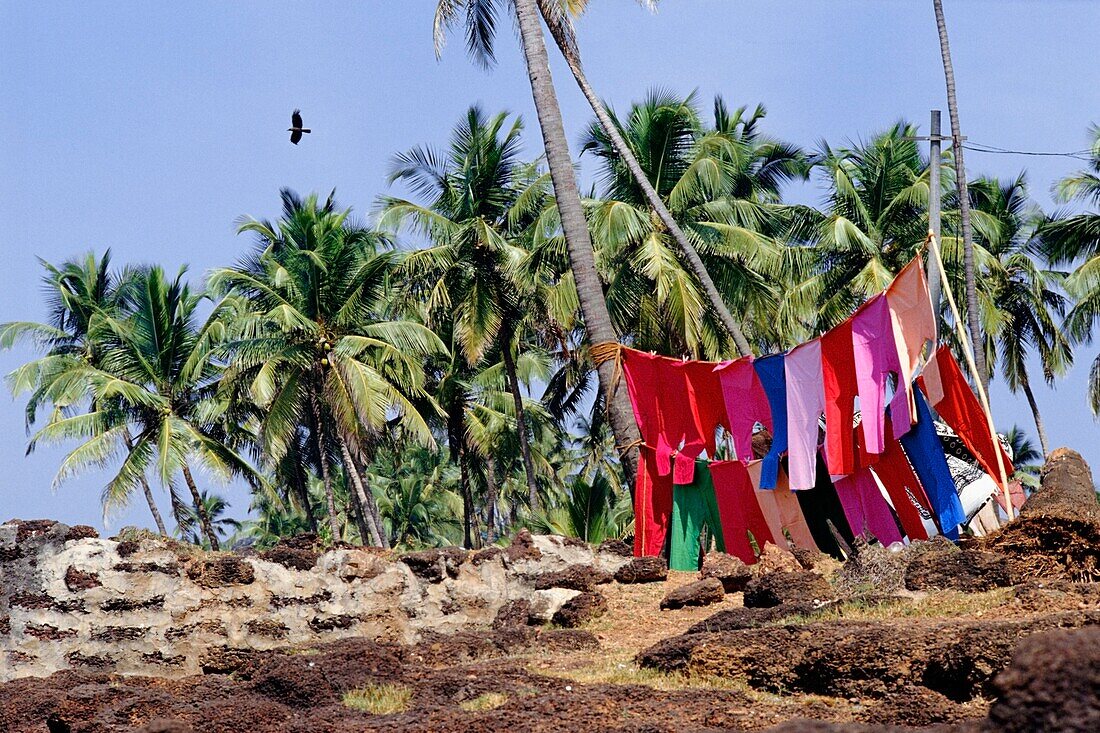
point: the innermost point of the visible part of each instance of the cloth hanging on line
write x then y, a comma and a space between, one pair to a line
706, 408
821, 507
652, 505
904, 490
773, 378
914, 325
876, 357
949, 394
781, 510
925, 453
838, 371
739, 509
745, 401
866, 509
695, 506
805, 403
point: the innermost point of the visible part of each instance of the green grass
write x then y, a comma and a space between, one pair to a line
380, 699
487, 701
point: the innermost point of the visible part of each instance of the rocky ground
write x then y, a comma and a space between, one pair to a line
997, 635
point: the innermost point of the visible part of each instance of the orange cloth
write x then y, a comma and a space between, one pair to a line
914, 325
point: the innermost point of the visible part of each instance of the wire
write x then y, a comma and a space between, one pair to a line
993, 149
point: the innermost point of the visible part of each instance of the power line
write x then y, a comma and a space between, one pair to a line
993, 149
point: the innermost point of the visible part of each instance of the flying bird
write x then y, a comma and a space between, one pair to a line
296, 128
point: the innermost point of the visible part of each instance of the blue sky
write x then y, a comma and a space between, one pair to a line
150, 128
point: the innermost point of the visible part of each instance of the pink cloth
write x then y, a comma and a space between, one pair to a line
746, 403
914, 325
876, 356
865, 508
805, 403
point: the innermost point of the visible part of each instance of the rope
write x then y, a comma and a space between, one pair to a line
968, 352
606, 351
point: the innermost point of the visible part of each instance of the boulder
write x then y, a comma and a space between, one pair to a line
546, 603
575, 577
700, 593
435, 564
775, 559
1052, 683
729, 570
349, 565
801, 588
643, 570
581, 609
962, 570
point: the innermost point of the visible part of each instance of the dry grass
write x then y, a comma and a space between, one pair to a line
379, 699
941, 604
487, 701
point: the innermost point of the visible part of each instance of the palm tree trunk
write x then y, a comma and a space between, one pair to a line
695, 263
299, 487
491, 501
964, 200
361, 526
326, 472
467, 501
521, 420
200, 510
364, 499
128, 439
1026, 384
578, 242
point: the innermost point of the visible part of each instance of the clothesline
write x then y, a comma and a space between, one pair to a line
680, 403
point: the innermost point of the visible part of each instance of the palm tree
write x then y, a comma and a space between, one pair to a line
79, 293
215, 507
157, 373
558, 17
964, 200
1022, 304
316, 349
722, 184
471, 277
871, 226
1075, 239
420, 505
480, 22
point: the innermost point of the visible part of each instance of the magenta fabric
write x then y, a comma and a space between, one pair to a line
876, 356
865, 508
706, 407
805, 403
652, 505
745, 402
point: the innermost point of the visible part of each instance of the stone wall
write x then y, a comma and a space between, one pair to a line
70, 599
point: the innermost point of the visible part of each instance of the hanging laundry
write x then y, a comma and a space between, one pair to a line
737, 506
959, 408
865, 508
773, 378
652, 505
876, 357
904, 489
838, 370
745, 401
821, 507
707, 408
914, 325
805, 403
781, 510
694, 506
925, 453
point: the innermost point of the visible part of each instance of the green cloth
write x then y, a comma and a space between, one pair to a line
693, 506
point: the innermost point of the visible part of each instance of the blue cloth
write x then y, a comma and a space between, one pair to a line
774, 380
925, 452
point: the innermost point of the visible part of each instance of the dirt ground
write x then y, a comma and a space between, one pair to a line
590, 679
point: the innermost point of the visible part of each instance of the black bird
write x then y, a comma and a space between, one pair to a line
296, 128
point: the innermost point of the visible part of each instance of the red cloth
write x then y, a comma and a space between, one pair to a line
838, 368
707, 410
738, 509
960, 409
660, 399
652, 505
897, 476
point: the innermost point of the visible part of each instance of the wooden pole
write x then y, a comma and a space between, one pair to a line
935, 194
968, 352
